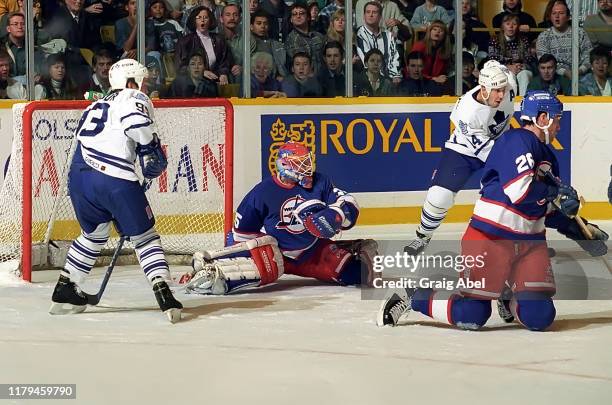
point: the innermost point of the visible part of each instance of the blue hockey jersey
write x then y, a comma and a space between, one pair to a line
268, 208
512, 203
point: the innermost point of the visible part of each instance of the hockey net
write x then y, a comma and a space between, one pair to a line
191, 200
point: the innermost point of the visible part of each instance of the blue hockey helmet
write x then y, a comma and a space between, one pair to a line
540, 101
295, 163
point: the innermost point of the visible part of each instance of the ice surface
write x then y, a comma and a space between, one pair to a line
296, 342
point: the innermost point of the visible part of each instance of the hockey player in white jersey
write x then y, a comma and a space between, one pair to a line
479, 116
105, 188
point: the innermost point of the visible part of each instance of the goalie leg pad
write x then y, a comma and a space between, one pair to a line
84, 251
151, 255
214, 275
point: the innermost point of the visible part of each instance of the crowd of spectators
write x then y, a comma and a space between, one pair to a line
194, 48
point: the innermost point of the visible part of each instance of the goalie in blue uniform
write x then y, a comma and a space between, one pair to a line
104, 188
284, 225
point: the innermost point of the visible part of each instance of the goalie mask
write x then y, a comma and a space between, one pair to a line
294, 164
124, 71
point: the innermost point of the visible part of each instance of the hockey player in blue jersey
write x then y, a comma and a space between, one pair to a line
480, 116
284, 226
105, 188
519, 199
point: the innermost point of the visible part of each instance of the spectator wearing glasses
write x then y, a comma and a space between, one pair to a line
217, 55
14, 46
302, 39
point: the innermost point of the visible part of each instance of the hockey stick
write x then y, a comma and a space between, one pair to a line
94, 299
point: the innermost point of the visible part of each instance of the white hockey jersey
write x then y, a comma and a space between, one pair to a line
477, 125
111, 128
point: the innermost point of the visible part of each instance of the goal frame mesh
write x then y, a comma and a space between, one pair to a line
27, 200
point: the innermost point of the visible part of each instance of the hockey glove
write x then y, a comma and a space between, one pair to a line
307, 208
324, 224
594, 247
565, 198
152, 158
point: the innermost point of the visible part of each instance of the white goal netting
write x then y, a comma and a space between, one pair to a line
189, 200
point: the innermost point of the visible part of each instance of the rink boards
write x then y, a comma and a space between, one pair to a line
385, 150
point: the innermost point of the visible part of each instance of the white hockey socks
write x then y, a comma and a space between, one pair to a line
83, 253
151, 255
437, 203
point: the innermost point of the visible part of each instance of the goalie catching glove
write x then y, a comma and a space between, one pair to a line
152, 158
594, 247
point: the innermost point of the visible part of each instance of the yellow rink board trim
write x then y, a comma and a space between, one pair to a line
165, 224
368, 216
459, 213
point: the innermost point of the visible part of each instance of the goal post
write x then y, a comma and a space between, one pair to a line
192, 200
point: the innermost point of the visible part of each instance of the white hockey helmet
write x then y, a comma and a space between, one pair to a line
122, 71
511, 78
492, 77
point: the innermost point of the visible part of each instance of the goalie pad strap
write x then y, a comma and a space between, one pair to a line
239, 249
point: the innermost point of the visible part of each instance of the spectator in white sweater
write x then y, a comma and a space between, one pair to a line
557, 41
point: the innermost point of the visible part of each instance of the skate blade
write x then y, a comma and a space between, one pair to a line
62, 308
173, 314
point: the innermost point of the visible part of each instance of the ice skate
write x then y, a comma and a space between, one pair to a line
503, 305
418, 244
167, 303
67, 298
394, 307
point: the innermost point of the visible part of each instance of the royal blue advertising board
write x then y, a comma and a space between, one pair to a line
378, 152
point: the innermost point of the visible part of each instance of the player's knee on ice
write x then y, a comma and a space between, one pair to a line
535, 310
470, 313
